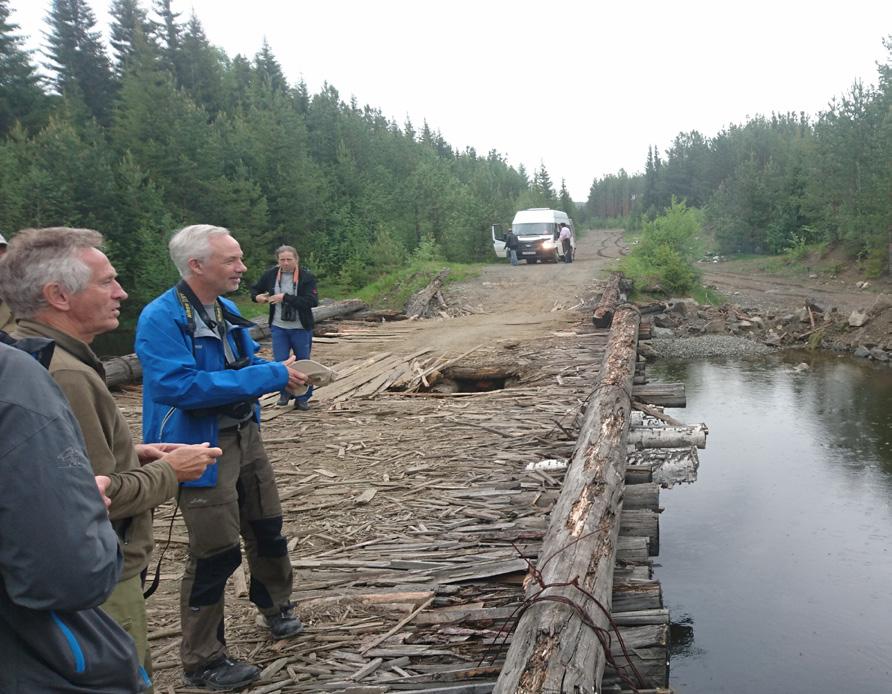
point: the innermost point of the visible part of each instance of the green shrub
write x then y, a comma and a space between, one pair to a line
877, 261
665, 255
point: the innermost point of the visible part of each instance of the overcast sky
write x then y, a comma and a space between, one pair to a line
583, 87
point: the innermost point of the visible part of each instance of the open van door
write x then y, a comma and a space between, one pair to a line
498, 241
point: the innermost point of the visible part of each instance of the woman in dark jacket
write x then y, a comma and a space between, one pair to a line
290, 291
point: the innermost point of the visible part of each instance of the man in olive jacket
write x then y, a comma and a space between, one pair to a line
59, 557
62, 287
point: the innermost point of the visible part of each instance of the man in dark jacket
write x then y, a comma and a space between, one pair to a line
511, 244
59, 556
290, 291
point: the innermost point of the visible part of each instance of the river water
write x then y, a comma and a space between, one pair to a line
776, 564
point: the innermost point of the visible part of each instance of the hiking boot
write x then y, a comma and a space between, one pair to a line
283, 400
285, 624
301, 405
222, 675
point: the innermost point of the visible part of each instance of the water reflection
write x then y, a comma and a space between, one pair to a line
781, 552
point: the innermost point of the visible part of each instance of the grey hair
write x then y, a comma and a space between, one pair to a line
38, 257
287, 249
193, 242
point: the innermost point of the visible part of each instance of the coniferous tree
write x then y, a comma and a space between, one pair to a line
565, 202
81, 68
269, 71
198, 68
21, 97
542, 183
129, 26
167, 31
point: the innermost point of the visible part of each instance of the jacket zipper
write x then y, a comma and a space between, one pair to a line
164, 421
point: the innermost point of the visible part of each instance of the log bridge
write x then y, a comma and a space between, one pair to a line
494, 541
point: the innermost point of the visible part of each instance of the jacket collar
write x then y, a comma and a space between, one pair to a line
77, 348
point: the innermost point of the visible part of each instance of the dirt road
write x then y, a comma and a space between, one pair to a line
787, 293
507, 303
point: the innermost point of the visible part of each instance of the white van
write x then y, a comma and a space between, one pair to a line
537, 231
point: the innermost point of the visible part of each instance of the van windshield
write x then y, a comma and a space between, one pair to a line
534, 229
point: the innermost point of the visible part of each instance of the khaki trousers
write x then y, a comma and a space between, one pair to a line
245, 503
127, 607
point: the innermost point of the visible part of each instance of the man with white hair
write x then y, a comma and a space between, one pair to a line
63, 288
201, 381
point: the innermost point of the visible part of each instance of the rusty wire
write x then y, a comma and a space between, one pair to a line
604, 636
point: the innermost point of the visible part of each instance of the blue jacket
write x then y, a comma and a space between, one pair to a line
182, 374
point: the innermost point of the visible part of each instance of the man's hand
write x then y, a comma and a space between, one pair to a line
147, 452
102, 483
262, 298
189, 461
296, 381
276, 298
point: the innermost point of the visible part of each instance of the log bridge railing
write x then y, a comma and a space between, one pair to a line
557, 643
607, 511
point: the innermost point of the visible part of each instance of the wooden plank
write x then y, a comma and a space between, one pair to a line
665, 394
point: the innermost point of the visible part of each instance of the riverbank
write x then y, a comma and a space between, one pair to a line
684, 329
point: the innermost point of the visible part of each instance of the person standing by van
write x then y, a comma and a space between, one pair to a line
565, 242
511, 244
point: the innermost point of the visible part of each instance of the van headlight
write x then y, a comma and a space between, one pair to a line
548, 245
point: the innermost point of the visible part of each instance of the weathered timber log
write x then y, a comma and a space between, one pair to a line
420, 304
379, 316
641, 496
122, 371
631, 549
551, 648
337, 308
669, 466
648, 646
639, 618
633, 595
610, 299
642, 523
665, 394
668, 437
654, 412
642, 571
638, 474
646, 331
479, 373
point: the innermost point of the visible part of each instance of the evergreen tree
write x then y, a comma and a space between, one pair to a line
268, 70
81, 68
302, 97
542, 184
129, 26
167, 32
565, 203
198, 68
21, 97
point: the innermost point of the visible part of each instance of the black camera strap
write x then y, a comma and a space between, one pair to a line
192, 306
219, 324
